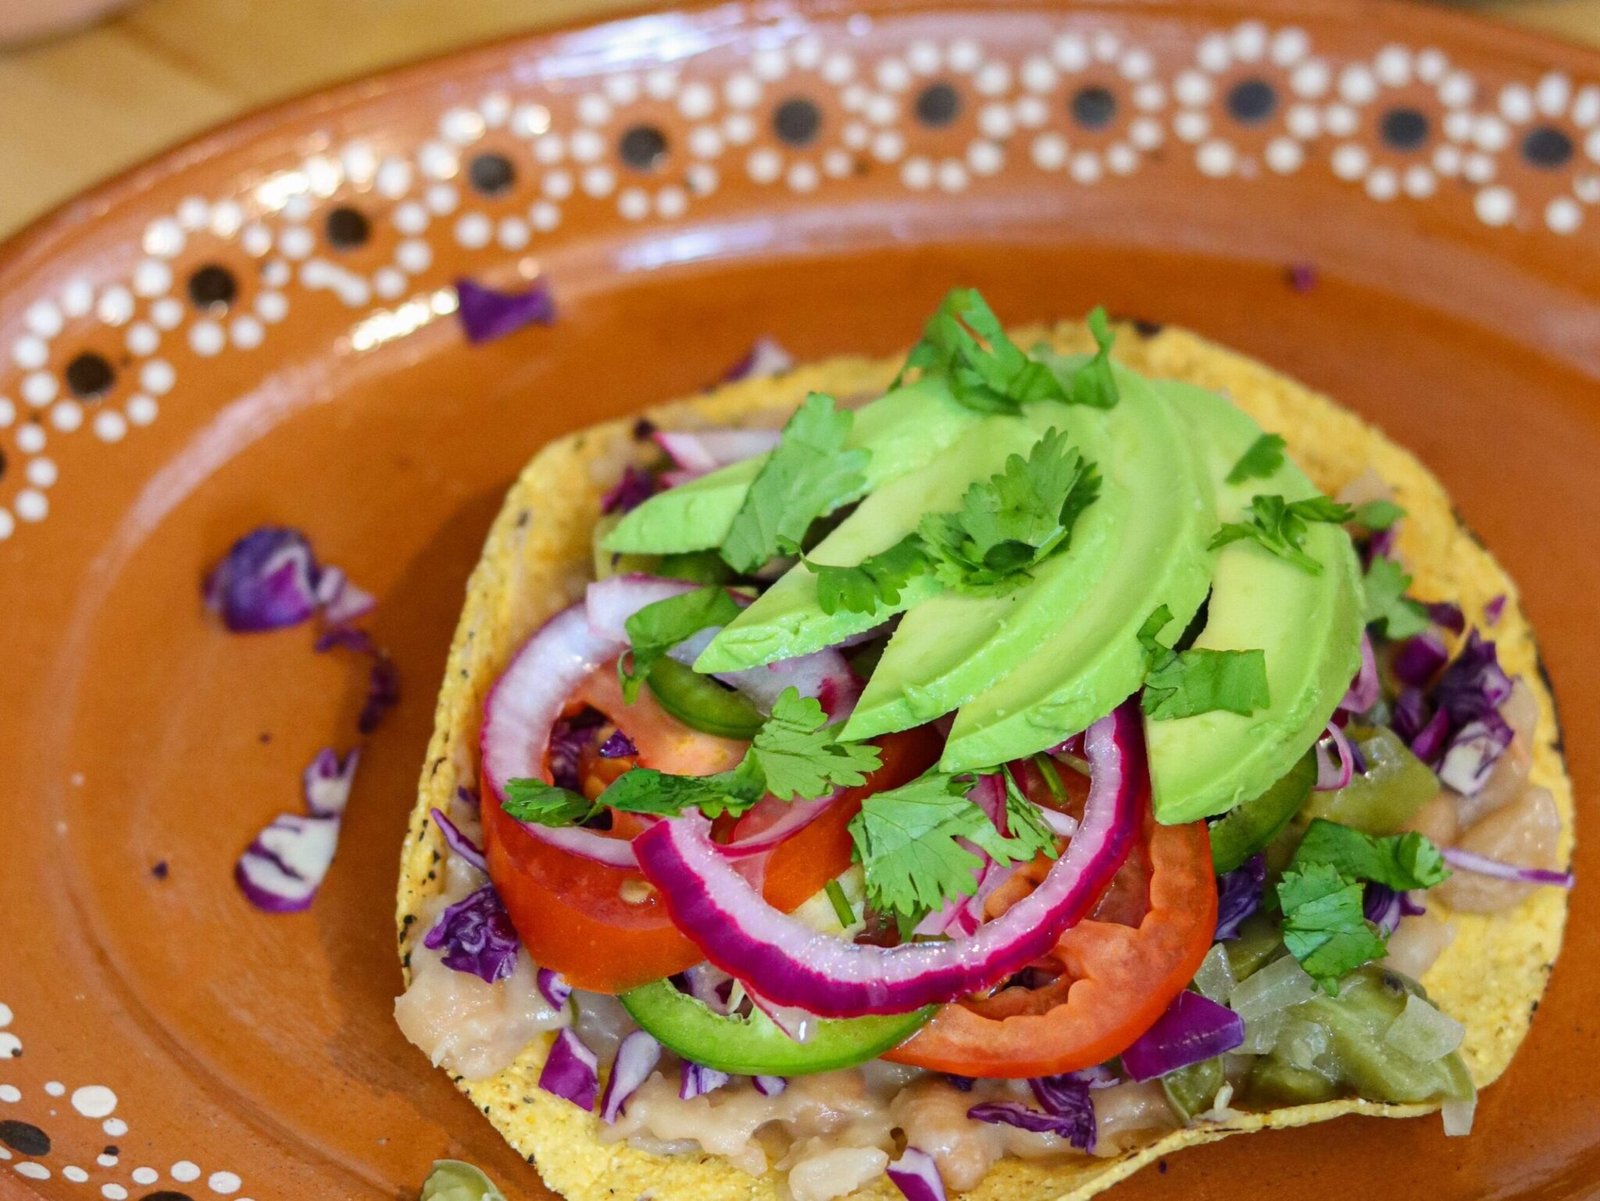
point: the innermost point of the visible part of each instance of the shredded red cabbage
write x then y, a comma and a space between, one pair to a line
476, 936
1482, 865
1384, 907
553, 987
618, 746
1475, 684
634, 488
1077, 1127
1473, 751
326, 782
1447, 614
571, 1071
569, 738
637, 1056
1493, 611
266, 581
487, 314
340, 600
1239, 895
1193, 1029
383, 680
769, 1086
1067, 1097
1419, 659
916, 1176
458, 842
696, 1080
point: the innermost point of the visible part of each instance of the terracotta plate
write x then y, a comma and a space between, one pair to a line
257, 328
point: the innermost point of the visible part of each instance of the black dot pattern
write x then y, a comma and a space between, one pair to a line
213, 287
166, 1194
25, 1138
2, 464
348, 228
797, 121
1252, 101
491, 174
1404, 128
1547, 147
1094, 107
89, 376
938, 105
643, 147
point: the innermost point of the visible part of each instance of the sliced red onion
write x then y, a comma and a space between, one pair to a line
764, 359
825, 675
634, 488
917, 1177
1077, 1128
697, 452
795, 1022
696, 1080
1482, 865
1493, 611
284, 866
1384, 907
708, 986
637, 1056
610, 602
791, 964
769, 1086
791, 817
1239, 895
340, 600
266, 581
1419, 659
1335, 759
553, 987
523, 706
326, 782
1470, 756
1063, 825
1364, 690
571, 1071
1192, 1030
487, 314
477, 937
458, 842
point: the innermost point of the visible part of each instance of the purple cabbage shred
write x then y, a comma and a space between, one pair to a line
569, 738
696, 1080
618, 746
634, 488
1447, 614
383, 693
487, 314
476, 936
1077, 1128
1239, 895
266, 581
764, 359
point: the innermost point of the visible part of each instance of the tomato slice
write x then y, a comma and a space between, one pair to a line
1108, 978
603, 927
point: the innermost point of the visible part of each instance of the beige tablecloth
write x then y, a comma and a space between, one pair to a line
82, 106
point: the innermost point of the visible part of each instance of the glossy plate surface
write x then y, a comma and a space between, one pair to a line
1394, 204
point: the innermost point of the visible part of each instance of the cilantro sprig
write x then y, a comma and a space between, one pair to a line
1198, 680
1280, 526
807, 476
658, 627
1261, 459
908, 841
1323, 889
964, 343
1385, 602
795, 755
1006, 526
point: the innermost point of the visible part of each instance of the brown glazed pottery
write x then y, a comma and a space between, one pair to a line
1395, 204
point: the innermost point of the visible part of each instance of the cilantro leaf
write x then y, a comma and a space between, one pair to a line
799, 754
646, 790
906, 842
1377, 514
1023, 818
1010, 522
808, 475
1280, 526
1186, 683
541, 804
1203, 681
1262, 459
1385, 602
1323, 924
1397, 861
1095, 384
658, 627
874, 582
964, 343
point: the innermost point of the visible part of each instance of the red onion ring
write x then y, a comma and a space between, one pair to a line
790, 964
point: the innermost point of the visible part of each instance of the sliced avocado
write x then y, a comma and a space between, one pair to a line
904, 429
786, 621
1308, 625
1074, 653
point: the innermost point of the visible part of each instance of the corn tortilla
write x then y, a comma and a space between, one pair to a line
538, 558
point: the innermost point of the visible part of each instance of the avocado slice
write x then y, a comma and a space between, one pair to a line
1074, 653
786, 621
904, 429
1308, 625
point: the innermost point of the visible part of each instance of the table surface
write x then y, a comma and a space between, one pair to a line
81, 106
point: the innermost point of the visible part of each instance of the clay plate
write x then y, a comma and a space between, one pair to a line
256, 328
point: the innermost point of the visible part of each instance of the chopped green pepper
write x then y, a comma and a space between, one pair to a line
1387, 795
1251, 826
1260, 940
1192, 1090
701, 702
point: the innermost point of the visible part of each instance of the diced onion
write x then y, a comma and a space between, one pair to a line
1458, 1116
1214, 978
1422, 1033
1280, 984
